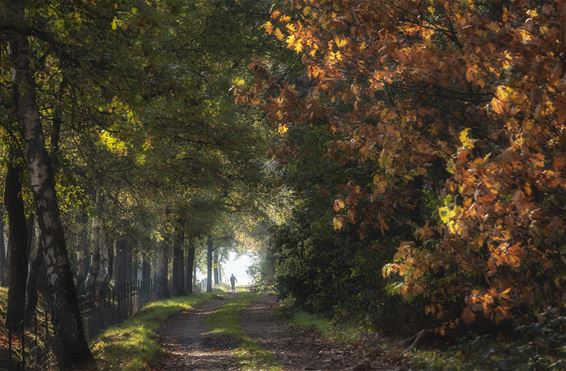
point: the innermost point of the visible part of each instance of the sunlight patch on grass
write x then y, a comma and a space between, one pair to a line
225, 321
131, 345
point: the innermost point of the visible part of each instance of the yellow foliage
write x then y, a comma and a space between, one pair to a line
282, 129
338, 205
268, 27
337, 223
340, 41
278, 34
465, 139
113, 144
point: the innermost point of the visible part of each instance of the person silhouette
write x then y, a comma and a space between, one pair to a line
233, 281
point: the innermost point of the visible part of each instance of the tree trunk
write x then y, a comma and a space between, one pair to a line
109, 268
190, 266
163, 272
3, 261
18, 245
178, 259
135, 267
71, 347
123, 261
209, 251
194, 274
216, 268
83, 263
92, 275
146, 274
32, 283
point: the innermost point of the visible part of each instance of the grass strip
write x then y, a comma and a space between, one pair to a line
131, 345
225, 321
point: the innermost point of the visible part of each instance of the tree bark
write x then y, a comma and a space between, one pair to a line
190, 266
3, 261
123, 261
83, 263
163, 272
71, 347
94, 266
135, 267
109, 267
209, 251
32, 283
18, 245
178, 259
194, 274
146, 274
216, 268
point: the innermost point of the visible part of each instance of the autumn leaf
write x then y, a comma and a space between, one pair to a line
278, 34
465, 139
282, 129
337, 223
268, 27
115, 23
290, 41
497, 106
341, 41
338, 205
314, 71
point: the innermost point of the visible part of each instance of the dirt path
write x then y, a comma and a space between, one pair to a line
188, 345
297, 349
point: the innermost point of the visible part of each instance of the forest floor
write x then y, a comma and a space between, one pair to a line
245, 331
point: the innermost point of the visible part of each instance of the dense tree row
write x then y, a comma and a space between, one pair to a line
439, 133
123, 155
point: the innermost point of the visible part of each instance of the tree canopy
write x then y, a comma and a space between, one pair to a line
387, 160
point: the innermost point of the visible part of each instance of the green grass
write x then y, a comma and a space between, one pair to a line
131, 345
225, 321
346, 333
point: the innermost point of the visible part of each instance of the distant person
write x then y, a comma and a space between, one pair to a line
233, 281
